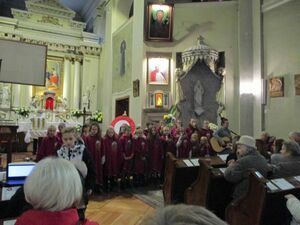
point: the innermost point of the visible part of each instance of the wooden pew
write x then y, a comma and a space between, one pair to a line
179, 176
169, 178
210, 189
261, 205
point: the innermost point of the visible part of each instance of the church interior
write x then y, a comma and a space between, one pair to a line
156, 103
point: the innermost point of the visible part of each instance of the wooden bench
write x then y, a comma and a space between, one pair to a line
179, 176
210, 189
261, 205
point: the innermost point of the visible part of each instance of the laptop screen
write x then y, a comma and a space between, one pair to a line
19, 170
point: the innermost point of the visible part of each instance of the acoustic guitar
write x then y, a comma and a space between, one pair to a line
216, 146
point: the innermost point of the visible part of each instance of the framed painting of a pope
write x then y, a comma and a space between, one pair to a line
158, 70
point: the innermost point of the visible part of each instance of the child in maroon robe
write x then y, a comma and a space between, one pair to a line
112, 155
205, 149
205, 131
49, 144
168, 145
182, 144
140, 149
126, 148
156, 154
195, 146
192, 128
94, 146
85, 131
61, 126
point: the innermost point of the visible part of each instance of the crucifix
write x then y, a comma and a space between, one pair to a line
85, 114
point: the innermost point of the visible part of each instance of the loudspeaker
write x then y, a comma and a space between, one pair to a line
221, 61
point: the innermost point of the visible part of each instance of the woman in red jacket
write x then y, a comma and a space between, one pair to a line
53, 203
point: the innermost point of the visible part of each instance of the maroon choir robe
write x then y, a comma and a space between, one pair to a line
126, 147
94, 146
168, 144
183, 150
59, 139
156, 154
190, 130
48, 147
205, 150
205, 133
112, 156
196, 149
140, 148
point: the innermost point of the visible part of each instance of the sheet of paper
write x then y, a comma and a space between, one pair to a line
9, 222
222, 169
223, 156
195, 162
188, 163
297, 178
282, 184
8, 192
271, 186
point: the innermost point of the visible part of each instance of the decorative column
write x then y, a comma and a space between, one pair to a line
66, 87
76, 91
16, 88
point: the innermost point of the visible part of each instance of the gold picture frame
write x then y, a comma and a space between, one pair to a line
159, 24
54, 77
276, 87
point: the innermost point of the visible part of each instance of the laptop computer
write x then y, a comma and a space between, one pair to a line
17, 172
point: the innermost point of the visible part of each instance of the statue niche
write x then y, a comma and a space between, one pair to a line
199, 87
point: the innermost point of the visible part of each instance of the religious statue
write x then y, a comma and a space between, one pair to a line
198, 98
122, 57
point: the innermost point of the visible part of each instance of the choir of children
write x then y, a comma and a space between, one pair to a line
134, 158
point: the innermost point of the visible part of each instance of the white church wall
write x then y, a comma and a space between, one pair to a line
282, 58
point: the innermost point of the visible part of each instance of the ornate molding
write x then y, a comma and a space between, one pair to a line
49, 7
21, 14
50, 19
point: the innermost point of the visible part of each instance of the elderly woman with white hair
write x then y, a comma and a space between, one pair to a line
53, 202
248, 158
183, 215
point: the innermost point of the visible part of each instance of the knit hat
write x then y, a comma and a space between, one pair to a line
247, 140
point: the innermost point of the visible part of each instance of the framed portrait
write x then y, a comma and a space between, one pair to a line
159, 23
297, 84
54, 77
158, 69
276, 87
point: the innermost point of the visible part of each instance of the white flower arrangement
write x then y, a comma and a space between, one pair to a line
97, 117
23, 111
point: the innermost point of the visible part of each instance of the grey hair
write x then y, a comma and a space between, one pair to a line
250, 149
183, 215
292, 147
53, 185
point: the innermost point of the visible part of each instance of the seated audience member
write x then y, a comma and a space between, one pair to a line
183, 215
267, 144
223, 132
293, 205
232, 154
248, 158
288, 164
49, 144
295, 136
53, 203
